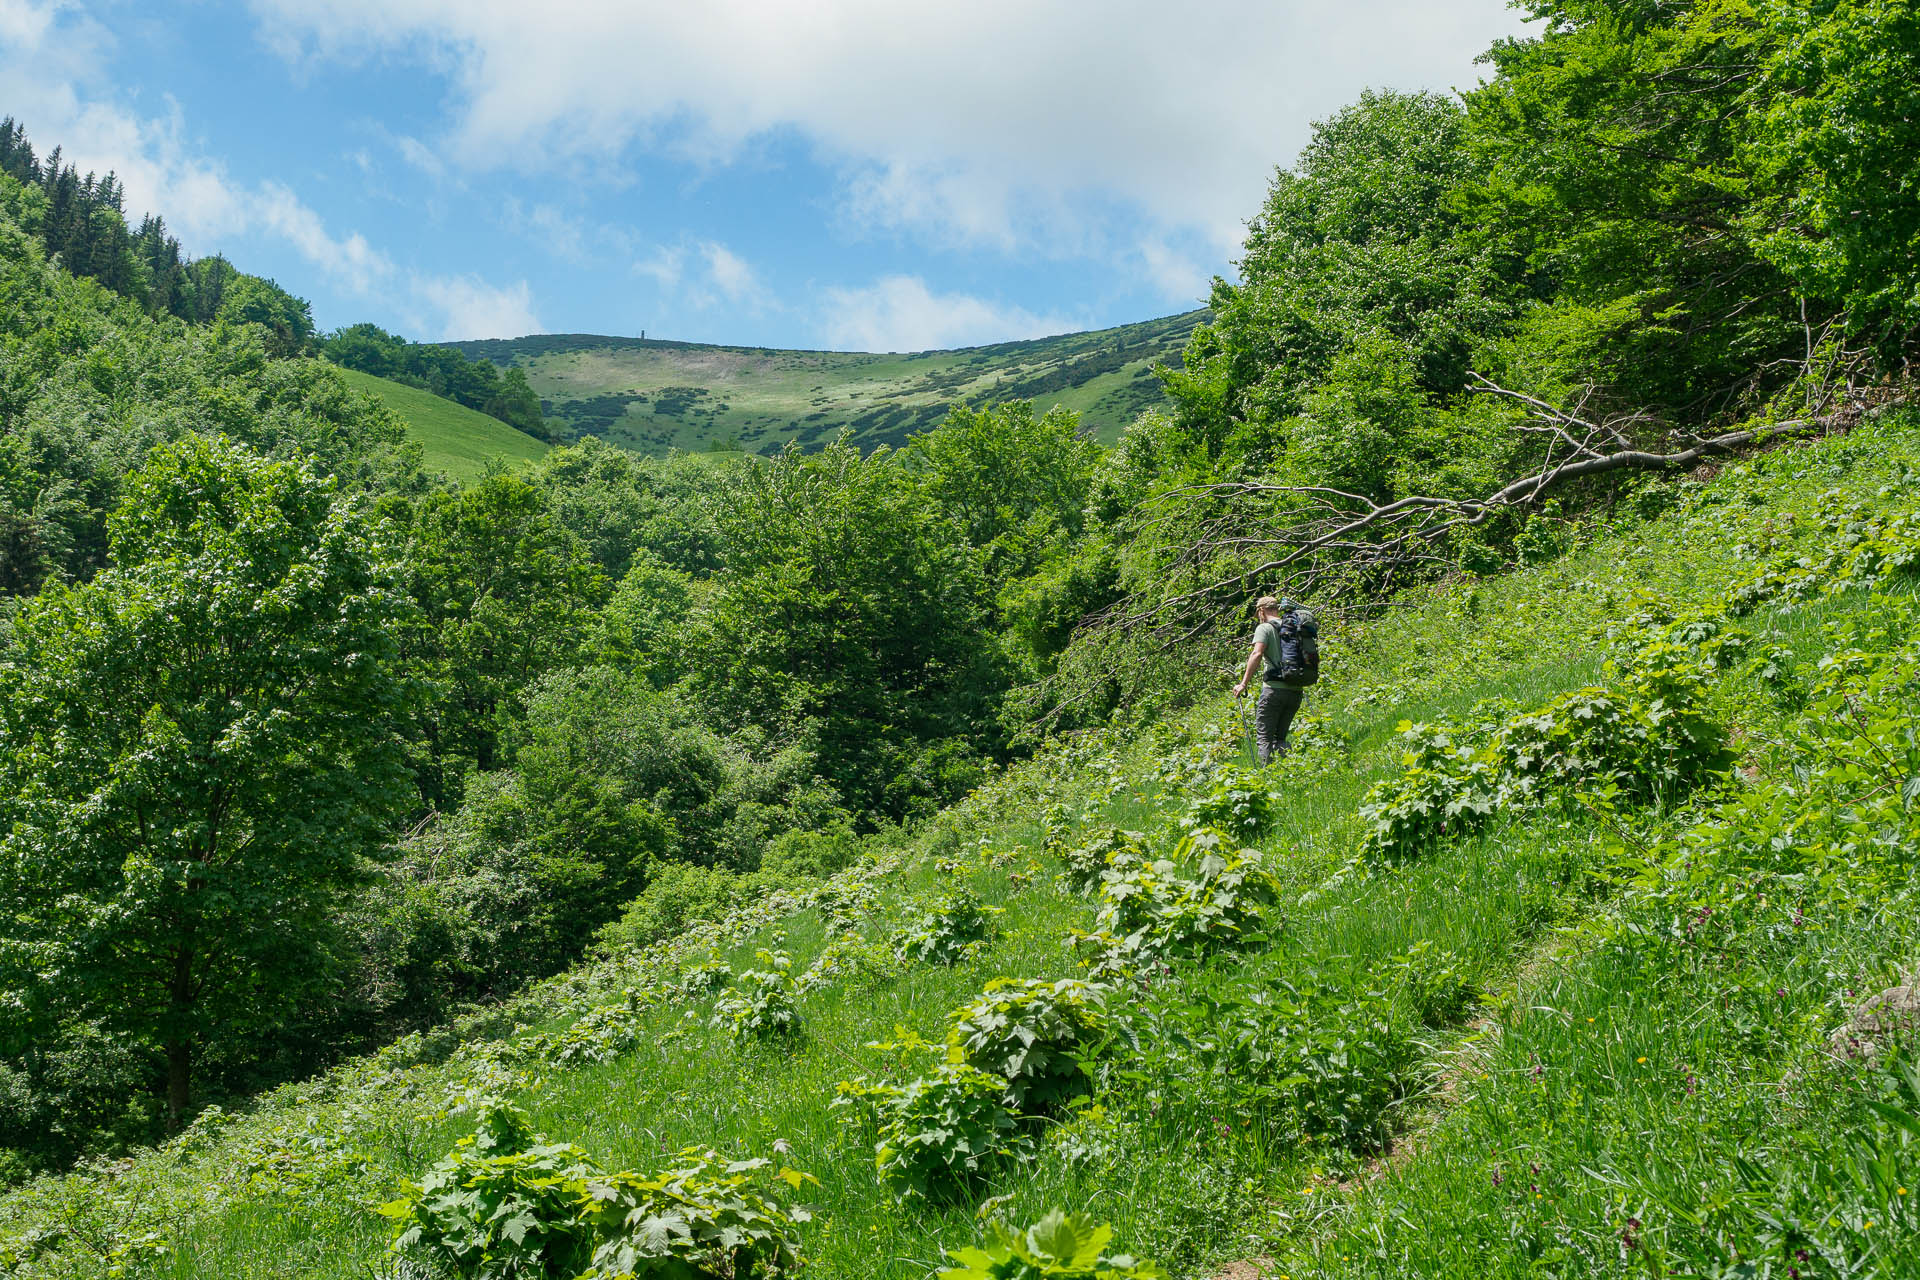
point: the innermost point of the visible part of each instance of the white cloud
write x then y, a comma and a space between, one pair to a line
472, 308
664, 266
702, 273
949, 205
351, 261
26, 24
998, 123
420, 155
899, 313
1174, 273
731, 274
562, 234
52, 56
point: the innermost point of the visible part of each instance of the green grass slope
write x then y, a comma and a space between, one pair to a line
652, 395
1581, 1029
453, 438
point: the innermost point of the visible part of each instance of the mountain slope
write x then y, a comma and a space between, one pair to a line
1703, 958
652, 395
453, 438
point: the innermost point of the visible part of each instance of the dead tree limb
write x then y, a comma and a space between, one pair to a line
1324, 533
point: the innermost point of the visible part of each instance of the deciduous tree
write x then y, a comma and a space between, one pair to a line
200, 752
506, 594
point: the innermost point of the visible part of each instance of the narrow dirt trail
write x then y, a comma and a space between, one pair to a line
1464, 1060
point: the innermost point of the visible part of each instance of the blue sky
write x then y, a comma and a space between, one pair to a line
853, 174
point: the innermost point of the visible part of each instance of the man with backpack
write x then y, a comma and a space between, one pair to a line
1288, 642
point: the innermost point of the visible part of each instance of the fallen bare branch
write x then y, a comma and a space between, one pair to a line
1326, 534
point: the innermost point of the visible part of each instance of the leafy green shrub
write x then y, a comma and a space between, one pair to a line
1651, 746
1706, 638
809, 855
679, 895
954, 929
850, 959
603, 1033
1439, 985
1060, 1246
508, 1205
1879, 551
1444, 787
1866, 548
1086, 861
1238, 803
842, 902
1842, 833
1325, 1066
1208, 896
940, 1134
1032, 1034
1649, 741
1057, 822
707, 1217
1192, 763
701, 978
759, 1006
502, 1206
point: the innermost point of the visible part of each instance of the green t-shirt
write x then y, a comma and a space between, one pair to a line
1267, 636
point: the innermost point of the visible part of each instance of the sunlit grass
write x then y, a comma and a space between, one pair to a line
453, 438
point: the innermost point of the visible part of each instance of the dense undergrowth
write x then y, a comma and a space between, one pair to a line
1572, 877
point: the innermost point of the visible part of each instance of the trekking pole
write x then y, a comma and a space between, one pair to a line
1253, 732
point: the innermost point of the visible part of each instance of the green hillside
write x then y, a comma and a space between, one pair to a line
1302, 1050
453, 438
652, 395
852, 864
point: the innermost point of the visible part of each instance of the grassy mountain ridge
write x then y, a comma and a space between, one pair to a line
1678, 1042
652, 394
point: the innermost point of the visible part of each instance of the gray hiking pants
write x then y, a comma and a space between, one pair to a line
1272, 718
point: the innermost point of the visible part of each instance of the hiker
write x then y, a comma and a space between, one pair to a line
1288, 642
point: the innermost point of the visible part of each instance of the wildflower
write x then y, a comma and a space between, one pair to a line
1641, 1061
1498, 1177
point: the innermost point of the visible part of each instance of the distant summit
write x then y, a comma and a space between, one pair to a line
654, 394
